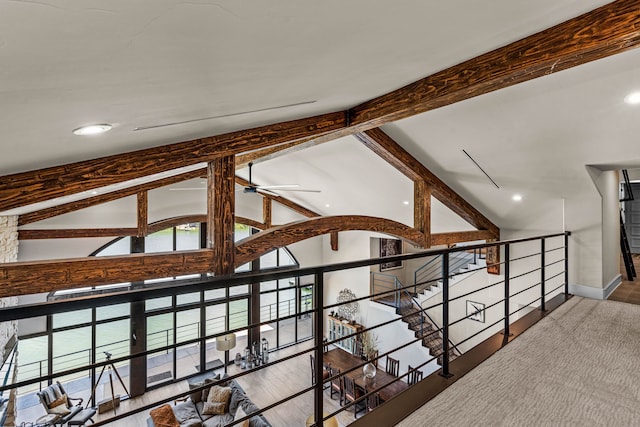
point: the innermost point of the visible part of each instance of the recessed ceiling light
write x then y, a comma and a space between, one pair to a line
327, 205
406, 202
92, 129
516, 197
633, 98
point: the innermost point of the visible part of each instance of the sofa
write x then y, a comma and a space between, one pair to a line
192, 413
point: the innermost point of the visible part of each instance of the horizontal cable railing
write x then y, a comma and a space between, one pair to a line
528, 279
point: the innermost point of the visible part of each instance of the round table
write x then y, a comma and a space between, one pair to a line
331, 422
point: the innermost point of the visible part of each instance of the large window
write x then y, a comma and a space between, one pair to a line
181, 328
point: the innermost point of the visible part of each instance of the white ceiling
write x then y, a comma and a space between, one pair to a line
144, 63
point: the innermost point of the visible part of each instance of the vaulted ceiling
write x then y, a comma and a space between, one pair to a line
168, 71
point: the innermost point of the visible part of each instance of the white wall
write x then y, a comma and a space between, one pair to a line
353, 246
607, 183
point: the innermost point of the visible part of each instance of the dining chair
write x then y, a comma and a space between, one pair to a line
373, 400
414, 375
325, 372
393, 366
336, 383
352, 393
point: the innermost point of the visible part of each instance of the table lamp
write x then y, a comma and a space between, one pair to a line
226, 343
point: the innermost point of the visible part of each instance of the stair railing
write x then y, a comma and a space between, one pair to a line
431, 271
423, 314
383, 284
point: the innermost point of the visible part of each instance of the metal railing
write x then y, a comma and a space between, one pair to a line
529, 278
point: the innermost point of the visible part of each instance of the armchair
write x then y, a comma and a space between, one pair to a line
56, 401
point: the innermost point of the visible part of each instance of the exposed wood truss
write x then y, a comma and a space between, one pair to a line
259, 244
605, 31
37, 186
221, 213
23, 278
383, 145
104, 198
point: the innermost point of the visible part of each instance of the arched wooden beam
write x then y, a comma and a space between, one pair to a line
276, 237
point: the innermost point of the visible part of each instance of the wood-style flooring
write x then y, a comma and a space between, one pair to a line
264, 387
628, 291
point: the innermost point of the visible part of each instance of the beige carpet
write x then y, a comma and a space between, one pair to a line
580, 366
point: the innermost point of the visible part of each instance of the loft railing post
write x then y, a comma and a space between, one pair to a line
566, 264
318, 292
506, 290
445, 316
542, 274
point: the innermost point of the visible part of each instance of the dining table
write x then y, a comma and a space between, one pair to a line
391, 384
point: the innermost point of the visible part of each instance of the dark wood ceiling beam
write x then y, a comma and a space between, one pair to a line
221, 213
383, 145
602, 32
605, 31
243, 160
104, 198
259, 244
24, 278
438, 239
75, 233
267, 206
422, 210
143, 214
37, 186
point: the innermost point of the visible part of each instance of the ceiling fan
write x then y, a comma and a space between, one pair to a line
267, 189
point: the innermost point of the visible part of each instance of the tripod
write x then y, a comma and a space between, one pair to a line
110, 368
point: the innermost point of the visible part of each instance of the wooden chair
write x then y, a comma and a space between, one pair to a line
414, 375
373, 400
325, 372
393, 366
352, 393
336, 383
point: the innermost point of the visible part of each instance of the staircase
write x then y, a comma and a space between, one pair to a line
430, 284
422, 327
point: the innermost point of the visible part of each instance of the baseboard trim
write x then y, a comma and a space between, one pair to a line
615, 282
596, 293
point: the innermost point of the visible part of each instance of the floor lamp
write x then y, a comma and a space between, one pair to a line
226, 343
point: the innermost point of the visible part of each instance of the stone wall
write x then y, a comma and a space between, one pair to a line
8, 330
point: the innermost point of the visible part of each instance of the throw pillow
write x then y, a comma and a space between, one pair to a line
219, 394
213, 408
60, 401
205, 392
185, 411
164, 417
60, 410
196, 396
241, 414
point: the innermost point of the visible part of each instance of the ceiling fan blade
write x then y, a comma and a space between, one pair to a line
280, 187
270, 193
300, 190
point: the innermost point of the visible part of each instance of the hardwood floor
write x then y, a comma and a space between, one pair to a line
264, 387
628, 291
